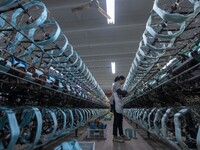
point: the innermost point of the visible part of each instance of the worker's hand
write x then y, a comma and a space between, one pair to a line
128, 94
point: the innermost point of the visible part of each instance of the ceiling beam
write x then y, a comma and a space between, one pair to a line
83, 56
103, 27
114, 59
122, 65
68, 5
104, 43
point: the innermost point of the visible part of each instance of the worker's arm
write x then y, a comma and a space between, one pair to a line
123, 93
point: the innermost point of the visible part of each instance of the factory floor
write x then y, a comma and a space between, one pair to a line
134, 144
142, 142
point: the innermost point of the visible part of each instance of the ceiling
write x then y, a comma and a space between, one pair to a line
98, 43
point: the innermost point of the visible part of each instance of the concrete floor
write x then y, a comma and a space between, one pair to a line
134, 144
141, 143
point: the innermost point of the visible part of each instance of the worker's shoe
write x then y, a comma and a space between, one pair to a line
118, 139
125, 138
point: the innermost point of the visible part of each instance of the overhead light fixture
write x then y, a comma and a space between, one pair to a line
113, 67
110, 4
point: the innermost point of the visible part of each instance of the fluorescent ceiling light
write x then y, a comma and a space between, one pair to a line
113, 67
110, 4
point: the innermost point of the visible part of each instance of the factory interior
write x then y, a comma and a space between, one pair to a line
75, 72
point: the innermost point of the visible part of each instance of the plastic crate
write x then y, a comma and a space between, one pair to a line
97, 133
108, 117
87, 145
131, 133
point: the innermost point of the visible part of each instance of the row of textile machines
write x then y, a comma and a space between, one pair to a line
46, 90
164, 79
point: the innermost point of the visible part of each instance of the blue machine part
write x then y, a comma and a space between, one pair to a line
62, 120
16, 62
33, 127
61, 50
9, 129
69, 121
5, 4
72, 145
30, 124
37, 22
2, 19
51, 38
169, 124
49, 126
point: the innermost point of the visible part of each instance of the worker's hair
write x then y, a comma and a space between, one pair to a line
119, 78
116, 79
